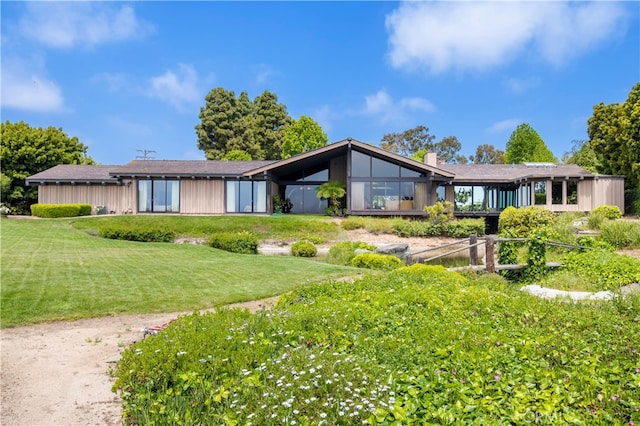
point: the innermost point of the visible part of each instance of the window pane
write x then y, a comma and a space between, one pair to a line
386, 195
381, 168
259, 197
295, 193
144, 195
361, 196
572, 192
246, 195
463, 197
317, 176
360, 164
556, 192
441, 193
232, 196
409, 173
173, 196
313, 204
159, 196
540, 191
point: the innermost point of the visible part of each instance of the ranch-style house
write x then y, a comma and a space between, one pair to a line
377, 182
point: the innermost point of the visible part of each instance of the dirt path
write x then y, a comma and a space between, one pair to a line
58, 373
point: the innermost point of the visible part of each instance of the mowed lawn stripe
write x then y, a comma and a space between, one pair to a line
51, 271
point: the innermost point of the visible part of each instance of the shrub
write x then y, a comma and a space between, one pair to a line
462, 228
60, 210
303, 249
416, 228
141, 234
521, 221
342, 253
440, 212
606, 269
381, 262
609, 212
620, 234
240, 242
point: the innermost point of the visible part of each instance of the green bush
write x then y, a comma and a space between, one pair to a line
417, 228
240, 242
463, 228
380, 262
342, 253
604, 268
620, 234
439, 212
609, 212
141, 234
303, 249
371, 224
521, 221
60, 210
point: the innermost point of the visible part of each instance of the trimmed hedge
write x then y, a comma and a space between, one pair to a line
303, 249
240, 242
381, 262
141, 234
60, 210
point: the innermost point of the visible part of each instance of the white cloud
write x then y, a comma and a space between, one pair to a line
263, 73
521, 85
179, 88
388, 110
325, 116
508, 125
26, 87
438, 36
67, 24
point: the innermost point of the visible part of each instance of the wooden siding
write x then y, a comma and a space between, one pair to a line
608, 191
116, 198
202, 196
338, 169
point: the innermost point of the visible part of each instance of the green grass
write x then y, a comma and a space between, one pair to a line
285, 227
51, 271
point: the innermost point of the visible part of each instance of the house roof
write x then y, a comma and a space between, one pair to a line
331, 150
184, 168
514, 172
74, 173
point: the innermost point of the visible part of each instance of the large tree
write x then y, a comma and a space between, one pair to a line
526, 145
26, 151
409, 142
583, 155
487, 154
228, 123
301, 136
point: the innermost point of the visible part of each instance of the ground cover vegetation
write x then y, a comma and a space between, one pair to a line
51, 271
413, 346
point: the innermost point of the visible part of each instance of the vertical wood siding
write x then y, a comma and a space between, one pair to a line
116, 198
202, 196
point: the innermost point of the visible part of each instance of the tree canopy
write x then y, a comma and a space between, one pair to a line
583, 155
417, 142
301, 136
526, 145
26, 151
228, 123
487, 154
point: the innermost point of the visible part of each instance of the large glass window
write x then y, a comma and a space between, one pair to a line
360, 164
540, 191
304, 199
556, 193
572, 192
158, 196
246, 196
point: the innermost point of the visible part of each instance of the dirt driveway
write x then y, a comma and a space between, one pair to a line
57, 374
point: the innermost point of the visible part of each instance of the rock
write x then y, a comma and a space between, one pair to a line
395, 249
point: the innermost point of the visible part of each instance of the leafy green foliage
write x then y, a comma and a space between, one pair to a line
606, 269
243, 242
526, 145
609, 212
26, 151
60, 210
409, 142
519, 222
620, 234
378, 261
583, 155
416, 228
342, 253
281, 204
463, 228
334, 191
230, 124
487, 154
237, 155
141, 234
301, 136
419, 345
303, 249
441, 211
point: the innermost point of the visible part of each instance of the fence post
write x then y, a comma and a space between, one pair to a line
489, 247
473, 249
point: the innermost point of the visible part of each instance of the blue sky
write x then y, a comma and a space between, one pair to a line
129, 76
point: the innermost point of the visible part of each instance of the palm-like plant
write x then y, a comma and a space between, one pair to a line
333, 191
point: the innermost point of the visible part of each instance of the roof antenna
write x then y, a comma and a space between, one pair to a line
145, 154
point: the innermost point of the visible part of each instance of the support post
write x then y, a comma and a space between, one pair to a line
473, 249
489, 249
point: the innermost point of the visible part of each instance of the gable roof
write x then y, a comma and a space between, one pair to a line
74, 173
186, 168
514, 172
334, 149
